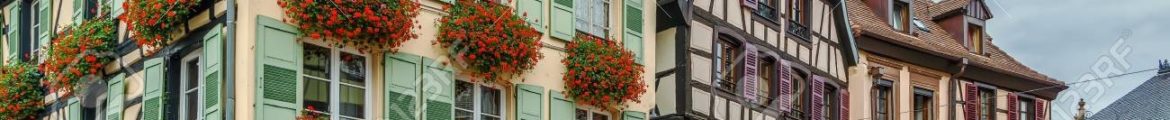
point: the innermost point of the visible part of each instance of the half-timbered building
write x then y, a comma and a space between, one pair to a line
752, 60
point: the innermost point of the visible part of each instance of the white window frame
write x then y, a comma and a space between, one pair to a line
193, 56
477, 94
596, 20
592, 110
335, 80
35, 17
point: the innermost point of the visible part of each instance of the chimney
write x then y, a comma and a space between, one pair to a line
1163, 66
1080, 110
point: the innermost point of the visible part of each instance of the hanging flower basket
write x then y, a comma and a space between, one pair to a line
79, 53
488, 40
601, 73
22, 92
368, 25
151, 22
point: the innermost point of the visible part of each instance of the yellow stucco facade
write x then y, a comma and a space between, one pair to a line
547, 73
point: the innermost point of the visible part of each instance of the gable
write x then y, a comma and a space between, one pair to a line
978, 9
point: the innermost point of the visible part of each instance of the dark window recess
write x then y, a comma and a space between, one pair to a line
987, 104
797, 19
923, 104
729, 66
900, 17
881, 103
767, 9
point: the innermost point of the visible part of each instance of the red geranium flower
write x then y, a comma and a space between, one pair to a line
601, 72
488, 41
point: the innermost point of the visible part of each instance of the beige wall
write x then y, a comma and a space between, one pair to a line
547, 72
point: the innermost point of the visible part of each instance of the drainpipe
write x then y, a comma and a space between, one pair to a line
230, 65
955, 86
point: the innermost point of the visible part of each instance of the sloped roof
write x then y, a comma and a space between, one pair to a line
1149, 101
938, 41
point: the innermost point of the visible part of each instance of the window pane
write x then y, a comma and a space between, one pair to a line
192, 74
353, 101
316, 94
582, 114
485, 117
316, 61
463, 115
491, 101
600, 18
766, 75
599, 116
729, 52
353, 69
464, 95
581, 10
192, 105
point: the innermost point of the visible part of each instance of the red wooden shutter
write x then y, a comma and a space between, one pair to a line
817, 97
972, 102
785, 84
1040, 110
844, 104
1013, 109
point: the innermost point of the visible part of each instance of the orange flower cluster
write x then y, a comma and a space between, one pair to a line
601, 73
22, 92
369, 25
80, 51
489, 40
152, 21
307, 114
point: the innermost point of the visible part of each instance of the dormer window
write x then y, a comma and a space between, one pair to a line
900, 15
975, 39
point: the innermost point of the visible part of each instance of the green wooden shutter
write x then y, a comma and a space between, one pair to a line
78, 9
402, 79
114, 97
633, 115
560, 107
213, 73
633, 24
43, 32
278, 60
153, 105
439, 91
74, 107
13, 35
532, 11
562, 20
116, 7
528, 102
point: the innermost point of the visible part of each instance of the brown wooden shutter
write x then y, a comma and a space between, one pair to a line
785, 85
1040, 110
818, 88
971, 111
1013, 109
844, 104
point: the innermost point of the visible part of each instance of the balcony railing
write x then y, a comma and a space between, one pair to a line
798, 30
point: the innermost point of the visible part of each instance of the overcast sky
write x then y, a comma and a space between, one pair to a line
1066, 38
